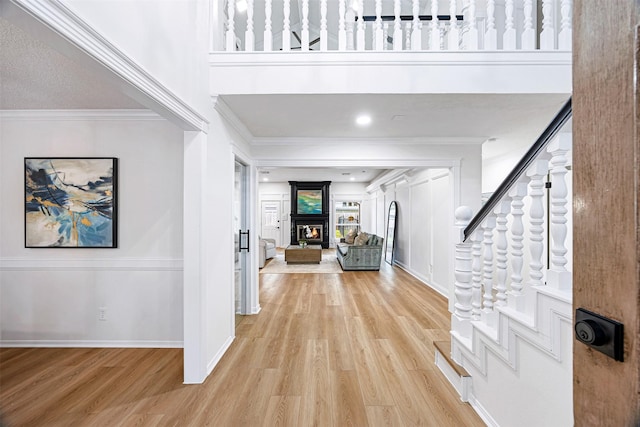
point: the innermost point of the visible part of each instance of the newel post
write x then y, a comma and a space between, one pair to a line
461, 318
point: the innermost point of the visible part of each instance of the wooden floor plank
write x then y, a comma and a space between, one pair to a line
352, 349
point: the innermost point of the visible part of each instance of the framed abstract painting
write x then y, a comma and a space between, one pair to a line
70, 202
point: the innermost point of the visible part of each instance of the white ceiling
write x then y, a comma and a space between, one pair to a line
33, 76
360, 175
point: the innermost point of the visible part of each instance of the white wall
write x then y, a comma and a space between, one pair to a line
423, 244
168, 39
52, 296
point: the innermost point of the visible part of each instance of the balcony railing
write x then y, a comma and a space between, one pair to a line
384, 25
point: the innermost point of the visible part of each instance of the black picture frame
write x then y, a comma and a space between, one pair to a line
71, 202
392, 224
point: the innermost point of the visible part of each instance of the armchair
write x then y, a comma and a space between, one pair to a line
267, 250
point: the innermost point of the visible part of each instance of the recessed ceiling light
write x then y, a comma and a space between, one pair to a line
363, 120
265, 179
241, 6
352, 179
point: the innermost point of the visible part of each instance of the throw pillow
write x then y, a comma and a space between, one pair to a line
361, 239
350, 236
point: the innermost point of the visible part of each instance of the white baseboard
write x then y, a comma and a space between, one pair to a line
482, 412
90, 344
212, 364
423, 279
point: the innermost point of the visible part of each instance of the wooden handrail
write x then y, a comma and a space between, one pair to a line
554, 127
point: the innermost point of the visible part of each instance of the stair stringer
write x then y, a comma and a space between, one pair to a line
541, 330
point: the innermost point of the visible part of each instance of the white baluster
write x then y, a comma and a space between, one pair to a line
416, 32
397, 26
385, 35
248, 34
461, 319
435, 27
564, 38
491, 35
286, 31
517, 194
350, 17
360, 31
509, 36
342, 32
471, 37
231, 32
268, 36
378, 36
407, 36
501, 210
488, 225
558, 276
476, 250
304, 42
548, 34
323, 25
454, 32
528, 34
536, 173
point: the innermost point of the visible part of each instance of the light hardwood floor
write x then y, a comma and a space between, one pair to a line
352, 349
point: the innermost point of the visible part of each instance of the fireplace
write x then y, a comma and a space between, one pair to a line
310, 212
312, 233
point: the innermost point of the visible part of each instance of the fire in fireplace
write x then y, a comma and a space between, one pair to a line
310, 232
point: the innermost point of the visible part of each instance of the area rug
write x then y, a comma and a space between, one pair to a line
277, 265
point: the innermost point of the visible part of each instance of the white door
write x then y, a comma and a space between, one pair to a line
271, 220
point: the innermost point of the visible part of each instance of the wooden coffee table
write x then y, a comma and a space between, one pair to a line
311, 254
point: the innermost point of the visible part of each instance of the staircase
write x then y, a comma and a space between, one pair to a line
511, 330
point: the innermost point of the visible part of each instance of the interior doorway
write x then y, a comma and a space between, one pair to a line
270, 221
242, 238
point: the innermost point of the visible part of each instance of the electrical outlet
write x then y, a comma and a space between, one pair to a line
102, 314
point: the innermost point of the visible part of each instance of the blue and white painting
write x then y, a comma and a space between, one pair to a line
309, 202
70, 202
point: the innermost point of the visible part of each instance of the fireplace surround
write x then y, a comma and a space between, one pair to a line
310, 208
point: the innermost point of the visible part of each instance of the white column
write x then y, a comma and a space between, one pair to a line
248, 34
360, 30
564, 38
304, 43
491, 35
434, 42
536, 173
416, 32
548, 34
476, 268
558, 276
501, 211
268, 35
461, 319
454, 32
342, 32
231, 32
286, 31
528, 33
471, 37
323, 25
509, 36
397, 26
517, 194
378, 36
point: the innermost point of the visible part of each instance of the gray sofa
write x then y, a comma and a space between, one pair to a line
267, 250
361, 257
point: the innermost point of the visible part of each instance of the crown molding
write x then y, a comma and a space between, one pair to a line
223, 108
140, 85
368, 141
81, 115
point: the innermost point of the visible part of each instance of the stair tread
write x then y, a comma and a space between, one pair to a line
444, 348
